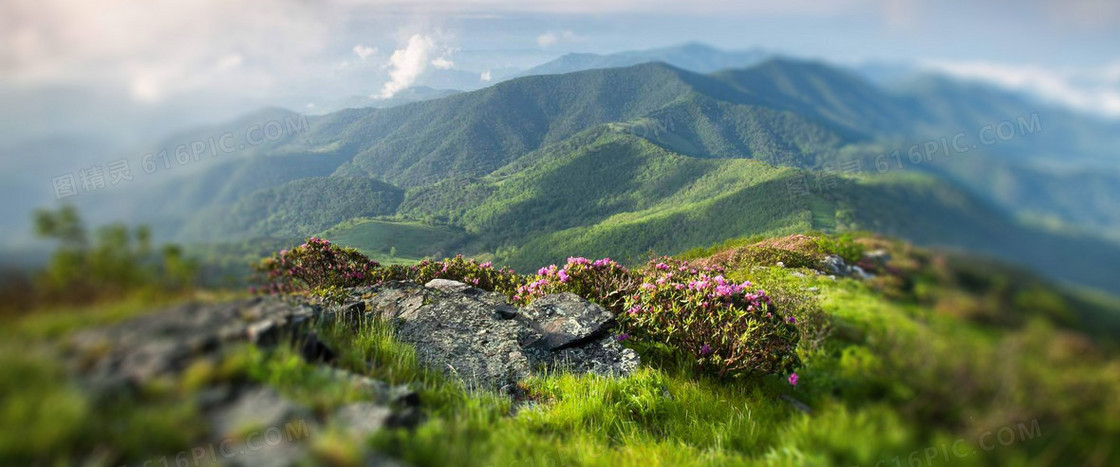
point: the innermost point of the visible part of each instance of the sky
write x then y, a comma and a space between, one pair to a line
68, 65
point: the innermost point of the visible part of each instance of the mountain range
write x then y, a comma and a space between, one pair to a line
696, 57
621, 161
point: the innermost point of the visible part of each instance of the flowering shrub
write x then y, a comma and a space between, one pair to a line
729, 328
326, 270
471, 272
602, 281
315, 265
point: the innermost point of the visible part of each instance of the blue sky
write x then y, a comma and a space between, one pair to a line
210, 59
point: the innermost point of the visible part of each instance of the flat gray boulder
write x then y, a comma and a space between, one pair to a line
478, 338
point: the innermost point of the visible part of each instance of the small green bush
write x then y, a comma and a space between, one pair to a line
726, 327
844, 246
770, 256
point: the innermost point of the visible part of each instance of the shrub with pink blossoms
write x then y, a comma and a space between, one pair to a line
729, 328
468, 271
602, 281
317, 264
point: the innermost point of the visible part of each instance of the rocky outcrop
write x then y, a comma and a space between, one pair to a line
478, 338
469, 334
836, 266
166, 342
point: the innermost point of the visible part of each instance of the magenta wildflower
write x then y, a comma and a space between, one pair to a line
705, 350
623, 336
602, 262
793, 379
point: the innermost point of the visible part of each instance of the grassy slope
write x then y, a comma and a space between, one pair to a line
893, 383
413, 241
607, 191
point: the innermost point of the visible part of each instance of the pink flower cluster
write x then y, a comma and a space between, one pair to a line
316, 263
578, 275
729, 327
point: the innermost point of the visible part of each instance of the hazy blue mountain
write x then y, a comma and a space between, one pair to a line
695, 57
405, 96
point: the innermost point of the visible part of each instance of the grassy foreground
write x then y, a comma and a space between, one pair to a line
924, 373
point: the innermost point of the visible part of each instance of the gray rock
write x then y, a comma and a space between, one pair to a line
256, 409
566, 320
378, 391
605, 357
396, 300
835, 265
448, 286
213, 397
879, 256
362, 419
165, 342
458, 334
480, 339
312, 349
263, 333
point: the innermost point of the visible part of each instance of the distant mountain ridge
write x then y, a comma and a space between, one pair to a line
617, 161
696, 57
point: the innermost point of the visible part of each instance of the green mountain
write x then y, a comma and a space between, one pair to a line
620, 161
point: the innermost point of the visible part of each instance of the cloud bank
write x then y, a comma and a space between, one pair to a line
1094, 90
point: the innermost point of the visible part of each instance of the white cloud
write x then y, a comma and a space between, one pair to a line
1094, 90
485, 76
547, 39
551, 38
442, 63
117, 42
407, 64
364, 52
230, 62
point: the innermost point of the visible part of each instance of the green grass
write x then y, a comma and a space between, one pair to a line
890, 381
411, 241
893, 379
48, 418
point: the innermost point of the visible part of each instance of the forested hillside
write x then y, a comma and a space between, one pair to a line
622, 161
